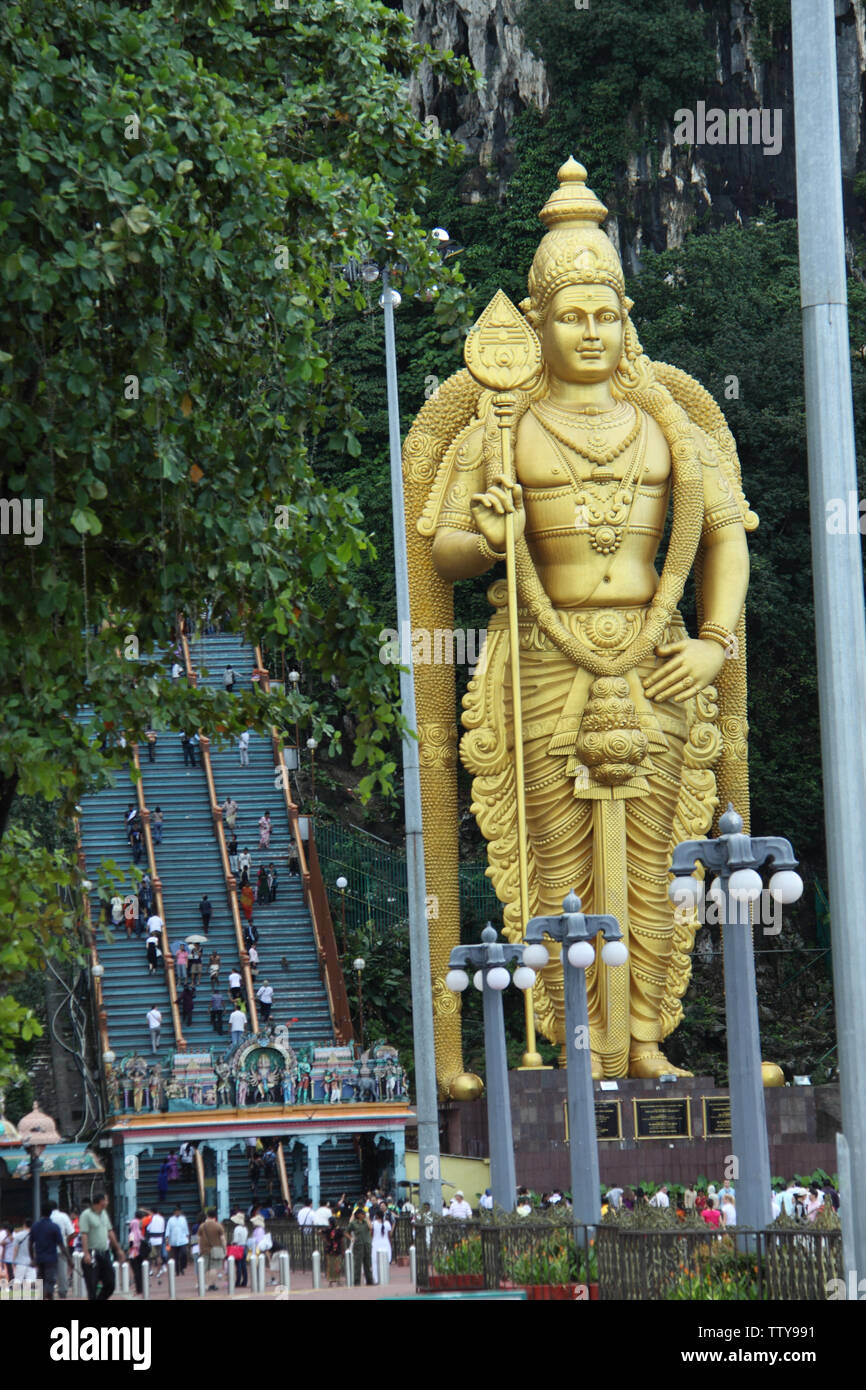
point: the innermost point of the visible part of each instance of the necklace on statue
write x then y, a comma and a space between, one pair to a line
594, 448
603, 509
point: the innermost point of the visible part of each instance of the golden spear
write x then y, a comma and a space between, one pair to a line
504, 355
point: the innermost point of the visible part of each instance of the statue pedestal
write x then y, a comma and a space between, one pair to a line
650, 1130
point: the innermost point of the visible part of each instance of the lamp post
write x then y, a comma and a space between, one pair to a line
312, 744
840, 629
295, 677
358, 965
577, 932
427, 1109
736, 858
492, 978
342, 884
36, 1131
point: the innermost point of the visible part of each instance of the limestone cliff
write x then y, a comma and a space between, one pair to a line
664, 192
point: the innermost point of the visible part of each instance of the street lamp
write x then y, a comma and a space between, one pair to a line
491, 978
358, 965
312, 744
577, 932
295, 677
342, 884
737, 858
36, 1131
427, 1108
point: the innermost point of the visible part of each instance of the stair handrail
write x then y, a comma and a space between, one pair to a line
219, 829
156, 882
89, 933
314, 889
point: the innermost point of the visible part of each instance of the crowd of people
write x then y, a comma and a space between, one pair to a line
716, 1205
157, 1233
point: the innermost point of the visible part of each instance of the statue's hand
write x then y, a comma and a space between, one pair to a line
489, 510
689, 666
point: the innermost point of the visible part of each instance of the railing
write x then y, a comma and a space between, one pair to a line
327, 943
301, 1241
167, 957
691, 1265
494, 1256
314, 888
230, 881
90, 942
637, 1265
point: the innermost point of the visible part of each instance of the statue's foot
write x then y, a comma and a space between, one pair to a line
597, 1067
646, 1060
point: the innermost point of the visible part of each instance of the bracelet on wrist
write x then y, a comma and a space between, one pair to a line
714, 632
486, 550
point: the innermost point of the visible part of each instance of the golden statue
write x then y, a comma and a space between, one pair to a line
559, 450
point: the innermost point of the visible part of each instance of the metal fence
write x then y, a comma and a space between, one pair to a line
376, 873
301, 1241
655, 1266
497, 1256
696, 1265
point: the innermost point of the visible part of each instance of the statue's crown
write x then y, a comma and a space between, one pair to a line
572, 204
575, 250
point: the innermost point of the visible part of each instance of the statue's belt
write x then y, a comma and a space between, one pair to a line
607, 730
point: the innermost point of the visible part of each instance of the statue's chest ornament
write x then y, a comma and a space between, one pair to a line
603, 502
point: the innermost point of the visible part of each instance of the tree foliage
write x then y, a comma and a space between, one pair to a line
182, 186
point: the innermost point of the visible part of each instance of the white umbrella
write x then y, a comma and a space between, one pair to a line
196, 940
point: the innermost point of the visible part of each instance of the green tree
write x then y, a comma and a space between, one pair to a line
182, 185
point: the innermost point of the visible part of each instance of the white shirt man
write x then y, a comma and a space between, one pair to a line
67, 1230
614, 1197
176, 1230
156, 1236
729, 1213
486, 1200
234, 983
776, 1205
154, 925
306, 1215
661, 1198
154, 1023
460, 1207
322, 1214
244, 748
237, 1025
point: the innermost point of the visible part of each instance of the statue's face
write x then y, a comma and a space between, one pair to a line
583, 333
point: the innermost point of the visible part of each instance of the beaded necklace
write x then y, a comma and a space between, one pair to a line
597, 455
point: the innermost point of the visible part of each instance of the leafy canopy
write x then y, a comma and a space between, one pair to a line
182, 185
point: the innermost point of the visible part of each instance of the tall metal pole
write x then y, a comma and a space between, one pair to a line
576, 931
838, 576
419, 947
503, 1182
745, 1081
582, 1138
737, 859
